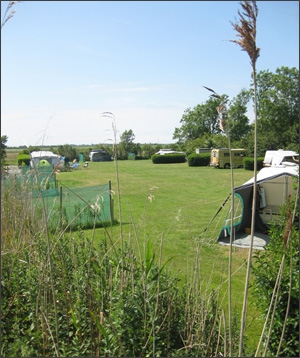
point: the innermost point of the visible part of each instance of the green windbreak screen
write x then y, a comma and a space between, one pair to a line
80, 207
63, 206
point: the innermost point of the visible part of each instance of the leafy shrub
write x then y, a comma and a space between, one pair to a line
248, 163
140, 157
168, 158
198, 160
93, 302
23, 159
285, 311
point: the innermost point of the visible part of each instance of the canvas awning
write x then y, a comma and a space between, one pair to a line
277, 183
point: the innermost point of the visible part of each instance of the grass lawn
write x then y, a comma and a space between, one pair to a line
184, 201
11, 156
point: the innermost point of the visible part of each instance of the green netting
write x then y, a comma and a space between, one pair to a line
79, 207
65, 207
39, 181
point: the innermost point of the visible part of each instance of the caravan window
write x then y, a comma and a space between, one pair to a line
226, 154
290, 159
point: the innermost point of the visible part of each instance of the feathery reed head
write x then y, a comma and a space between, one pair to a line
7, 15
246, 30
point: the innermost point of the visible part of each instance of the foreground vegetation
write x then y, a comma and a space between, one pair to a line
154, 285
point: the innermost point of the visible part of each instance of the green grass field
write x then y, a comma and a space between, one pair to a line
173, 204
185, 200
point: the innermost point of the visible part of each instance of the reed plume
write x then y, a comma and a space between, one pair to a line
246, 33
9, 13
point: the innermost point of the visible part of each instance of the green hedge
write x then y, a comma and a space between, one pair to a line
248, 163
23, 158
168, 158
198, 160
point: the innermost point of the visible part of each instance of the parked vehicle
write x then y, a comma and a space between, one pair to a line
168, 151
99, 155
220, 158
274, 158
202, 150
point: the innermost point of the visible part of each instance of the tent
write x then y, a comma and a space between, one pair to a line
276, 184
43, 157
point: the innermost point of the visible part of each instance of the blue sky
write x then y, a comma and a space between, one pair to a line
64, 63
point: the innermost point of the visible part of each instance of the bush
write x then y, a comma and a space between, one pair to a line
23, 158
140, 157
168, 158
89, 315
266, 268
248, 163
198, 160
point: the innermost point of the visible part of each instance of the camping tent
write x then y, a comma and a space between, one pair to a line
44, 156
277, 184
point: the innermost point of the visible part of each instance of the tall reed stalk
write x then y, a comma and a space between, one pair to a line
225, 128
246, 31
114, 126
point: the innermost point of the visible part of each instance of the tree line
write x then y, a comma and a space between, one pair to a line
277, 113
278, 123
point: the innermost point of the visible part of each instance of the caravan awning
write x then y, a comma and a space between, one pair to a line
268, 173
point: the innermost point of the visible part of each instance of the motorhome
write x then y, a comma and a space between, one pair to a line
202, 150
275, 158
220, 158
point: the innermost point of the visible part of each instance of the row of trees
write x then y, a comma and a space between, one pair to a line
277, 115
278, 122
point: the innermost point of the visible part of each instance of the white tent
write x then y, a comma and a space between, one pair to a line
43, 155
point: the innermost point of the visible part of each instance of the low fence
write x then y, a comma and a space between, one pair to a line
84, 207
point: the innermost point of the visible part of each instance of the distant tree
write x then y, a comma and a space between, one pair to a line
33, 149
197, 122
127, 140
239, 122
4, 139
68, 151
148, 150
278, 108
126, 144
